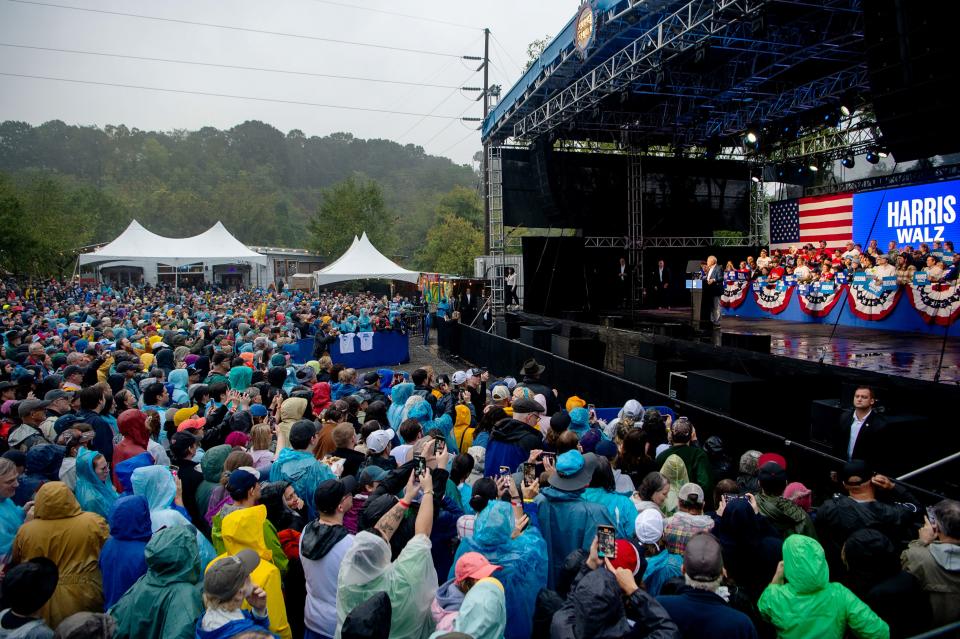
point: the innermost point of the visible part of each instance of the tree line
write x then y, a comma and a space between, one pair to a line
63, 187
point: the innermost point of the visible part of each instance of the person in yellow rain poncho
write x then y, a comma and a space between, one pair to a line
244, 529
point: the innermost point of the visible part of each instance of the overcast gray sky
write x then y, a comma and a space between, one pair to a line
47, 24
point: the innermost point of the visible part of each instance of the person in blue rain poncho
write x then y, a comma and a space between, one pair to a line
523, 561
95, 491
399, 395
363, 322
121, 560
11, 515
298, 466
579, 421
602, 490
157, 485
124, 471
423, 413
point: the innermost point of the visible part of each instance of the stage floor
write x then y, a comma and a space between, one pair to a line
900, 354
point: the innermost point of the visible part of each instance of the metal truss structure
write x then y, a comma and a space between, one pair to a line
623, 242
907, 178
495, 229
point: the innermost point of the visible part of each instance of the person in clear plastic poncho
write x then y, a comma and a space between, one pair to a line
410, 581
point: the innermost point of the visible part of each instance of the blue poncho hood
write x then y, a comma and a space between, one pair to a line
124, 470
93, 494
130, 519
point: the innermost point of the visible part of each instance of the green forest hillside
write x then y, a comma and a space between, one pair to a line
64, 186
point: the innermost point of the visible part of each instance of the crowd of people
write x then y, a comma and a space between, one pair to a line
809, 263
168, 471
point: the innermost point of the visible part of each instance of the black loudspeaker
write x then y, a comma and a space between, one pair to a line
652, 373
536, 336
755, 342
911, 62
583, 350
824, 416
509, 326
677, 388
541, 152
733, 394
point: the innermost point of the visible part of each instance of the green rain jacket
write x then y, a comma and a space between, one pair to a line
808, 605
166, 602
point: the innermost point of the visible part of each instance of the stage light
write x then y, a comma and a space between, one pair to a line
845, 110
872, 157
751, 138
848, 161
814, 166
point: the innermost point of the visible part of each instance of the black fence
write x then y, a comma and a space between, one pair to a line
505, 357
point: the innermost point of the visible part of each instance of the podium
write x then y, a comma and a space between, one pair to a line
696, 302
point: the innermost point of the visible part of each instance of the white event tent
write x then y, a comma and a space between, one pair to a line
138, 247
362, 261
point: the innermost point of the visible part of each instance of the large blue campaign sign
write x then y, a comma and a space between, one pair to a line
909, 215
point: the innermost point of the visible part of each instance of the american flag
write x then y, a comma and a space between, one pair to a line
811, 219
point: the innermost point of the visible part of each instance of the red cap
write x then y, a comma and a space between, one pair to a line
772, 457
627, 556
196, 422
473, 565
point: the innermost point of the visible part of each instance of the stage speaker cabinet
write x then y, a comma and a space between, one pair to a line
653, 350
582, 350
536, 336
824, 416
651, 373
678, 386
732, 394
756, 342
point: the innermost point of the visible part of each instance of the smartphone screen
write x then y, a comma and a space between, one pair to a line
931, 517
504, 471
529, 473
437, 446
606, 542
174, 470
419, 465
551, 456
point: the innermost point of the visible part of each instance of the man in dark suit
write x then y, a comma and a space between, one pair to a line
712, 290
862, 433
468, 306
661, 285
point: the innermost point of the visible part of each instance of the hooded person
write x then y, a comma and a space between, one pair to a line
786, 516
298, 465
42, 466
462, 431
122, 560
321, 397
801, 601
676, 473
71, 538
579, 421
157, 486
291, 411
423, 413
240, 378
399, 394
630, 414
602, 490
180, 379
243, 530
567, 521
123, 474
522, 559
11, 515
94, 491
749, 468
212, 468
132, 424
169, 590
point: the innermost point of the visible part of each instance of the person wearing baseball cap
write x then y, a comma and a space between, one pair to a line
697, 608
786, 516
379, 445
688, 521
323, 544
226, 586
471, 568
512, 440
32, 413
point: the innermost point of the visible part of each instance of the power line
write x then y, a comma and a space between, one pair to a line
229, 95
458, 142
503, 50
229, 66
439, 104
231, 28
446, 126
394, 13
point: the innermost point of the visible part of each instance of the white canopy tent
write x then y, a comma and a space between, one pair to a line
362, 261
139, 246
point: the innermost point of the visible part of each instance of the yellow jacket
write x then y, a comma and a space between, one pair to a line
462, 432
244, 529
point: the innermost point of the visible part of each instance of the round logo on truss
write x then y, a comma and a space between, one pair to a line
585, 25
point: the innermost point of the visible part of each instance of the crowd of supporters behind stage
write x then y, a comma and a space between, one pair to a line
169, 472
809, 263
